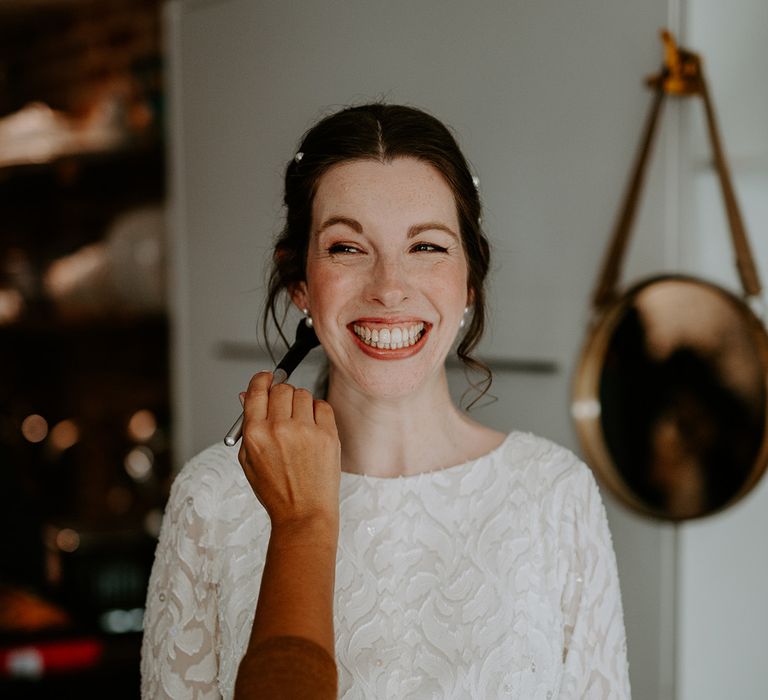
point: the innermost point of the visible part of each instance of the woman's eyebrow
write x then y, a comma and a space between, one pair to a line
356, 226
430, 226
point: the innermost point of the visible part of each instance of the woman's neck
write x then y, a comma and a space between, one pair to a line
423, 431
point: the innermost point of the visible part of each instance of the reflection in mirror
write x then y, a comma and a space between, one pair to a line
678, 380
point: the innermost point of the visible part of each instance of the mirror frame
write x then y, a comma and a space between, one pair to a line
586, 407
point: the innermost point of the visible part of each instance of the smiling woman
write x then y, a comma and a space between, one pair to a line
432, 556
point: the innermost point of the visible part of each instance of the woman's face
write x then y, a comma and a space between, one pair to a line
386, 274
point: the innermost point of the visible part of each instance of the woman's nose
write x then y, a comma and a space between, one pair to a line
387, 284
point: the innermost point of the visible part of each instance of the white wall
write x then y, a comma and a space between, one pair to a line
723, 584
547, 99
543, 94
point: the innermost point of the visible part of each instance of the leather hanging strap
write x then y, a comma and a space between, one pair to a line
681, 75
745, 263
605, 292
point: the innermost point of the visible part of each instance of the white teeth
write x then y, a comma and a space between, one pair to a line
389, 339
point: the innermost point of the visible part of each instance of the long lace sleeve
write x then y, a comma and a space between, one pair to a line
179, 657
595, 653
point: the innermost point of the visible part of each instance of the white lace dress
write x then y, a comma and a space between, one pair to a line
491, 579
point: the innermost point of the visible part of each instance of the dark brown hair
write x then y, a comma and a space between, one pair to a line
379, 132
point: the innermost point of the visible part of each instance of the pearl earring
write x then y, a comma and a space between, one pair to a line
463, 321
307, 318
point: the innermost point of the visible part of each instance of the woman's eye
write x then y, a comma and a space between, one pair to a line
428, 248
342, 249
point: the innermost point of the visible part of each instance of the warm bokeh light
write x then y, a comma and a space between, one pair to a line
67, 540
64, 434
11, 306
142, 425
23, 611
68, 275
138, 463
34, 428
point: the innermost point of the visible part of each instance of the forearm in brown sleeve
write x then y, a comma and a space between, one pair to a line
287, 668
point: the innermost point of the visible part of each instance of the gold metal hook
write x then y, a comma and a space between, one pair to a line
681, 73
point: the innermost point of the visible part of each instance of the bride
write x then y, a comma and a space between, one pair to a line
468, 563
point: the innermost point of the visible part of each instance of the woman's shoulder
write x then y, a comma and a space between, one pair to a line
210, 478
544, 461
550, 477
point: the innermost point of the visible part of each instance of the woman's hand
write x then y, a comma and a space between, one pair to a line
290, 454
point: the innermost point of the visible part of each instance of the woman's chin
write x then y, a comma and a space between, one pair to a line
387, 379
388, 390
385, 384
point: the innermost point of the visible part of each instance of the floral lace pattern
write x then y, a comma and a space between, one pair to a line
491, 579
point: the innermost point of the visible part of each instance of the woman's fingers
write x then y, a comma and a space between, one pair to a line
257, 396
280, 402
324, 416
302, 406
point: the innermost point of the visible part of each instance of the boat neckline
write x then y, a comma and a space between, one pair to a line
433, 472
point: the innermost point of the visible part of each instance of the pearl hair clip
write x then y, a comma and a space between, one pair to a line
476, 183
298, 157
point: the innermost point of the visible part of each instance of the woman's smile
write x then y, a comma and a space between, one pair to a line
390, 340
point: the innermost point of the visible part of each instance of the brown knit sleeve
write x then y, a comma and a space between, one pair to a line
287, 668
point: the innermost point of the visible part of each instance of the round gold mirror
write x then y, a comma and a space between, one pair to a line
671, 398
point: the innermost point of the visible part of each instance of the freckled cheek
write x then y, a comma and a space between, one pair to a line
331, 290
451, 281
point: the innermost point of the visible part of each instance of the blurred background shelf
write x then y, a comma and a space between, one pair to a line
85, 458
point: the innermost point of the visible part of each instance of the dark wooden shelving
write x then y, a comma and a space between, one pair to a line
80, 517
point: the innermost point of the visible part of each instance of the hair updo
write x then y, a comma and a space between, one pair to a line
379, 132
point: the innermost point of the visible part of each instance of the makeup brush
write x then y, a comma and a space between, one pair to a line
305, 341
